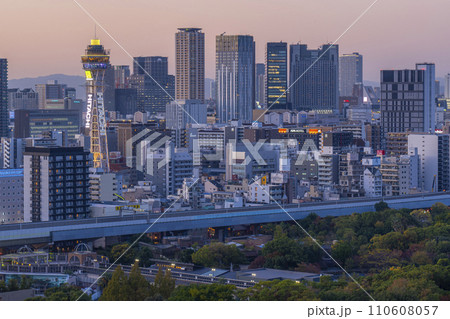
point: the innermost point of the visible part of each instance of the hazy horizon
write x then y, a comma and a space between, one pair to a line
48, 36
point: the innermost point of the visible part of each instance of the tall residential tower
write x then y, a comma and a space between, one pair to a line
56, 183
190, 64
4, 117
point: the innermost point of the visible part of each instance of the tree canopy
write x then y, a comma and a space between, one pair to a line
135, 287
64, 292
198, 292
218, 255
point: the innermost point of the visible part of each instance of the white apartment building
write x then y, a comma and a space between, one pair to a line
265, 193
372, 182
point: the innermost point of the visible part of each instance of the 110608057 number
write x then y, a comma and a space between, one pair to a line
403, 310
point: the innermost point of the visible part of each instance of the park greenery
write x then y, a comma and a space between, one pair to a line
218, 255
126, 255
135, 287
394, 254
17, 283
64, 292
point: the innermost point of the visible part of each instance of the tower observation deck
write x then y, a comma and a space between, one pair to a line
95, 63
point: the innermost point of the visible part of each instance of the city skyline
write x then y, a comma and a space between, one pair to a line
165, 162
363, 37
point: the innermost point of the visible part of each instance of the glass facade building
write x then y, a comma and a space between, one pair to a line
260, 83
276, 75
235, 77
350, 72
150, 79
314, 77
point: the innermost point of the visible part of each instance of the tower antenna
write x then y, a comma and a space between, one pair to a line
95, 63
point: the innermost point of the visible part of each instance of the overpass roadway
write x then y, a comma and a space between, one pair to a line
92, 228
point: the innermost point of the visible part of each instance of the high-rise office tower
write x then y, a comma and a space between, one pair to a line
212, 90
109, 87
408, 99
192, 112
95, 64
190, 64
126, 101
154, 84
32, 123
51, 94
437, 88
26, 99
260, 83
434, 158
447, 86
429, 70
56, 183
71, 93
276, 75
350, 72
235, 77
314, 81
121, 75
155, 66
4, 115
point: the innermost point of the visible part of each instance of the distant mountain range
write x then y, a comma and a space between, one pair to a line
74, 81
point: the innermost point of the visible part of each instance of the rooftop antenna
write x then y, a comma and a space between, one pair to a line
95, 31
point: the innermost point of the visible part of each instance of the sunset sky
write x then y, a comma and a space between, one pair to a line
48, 36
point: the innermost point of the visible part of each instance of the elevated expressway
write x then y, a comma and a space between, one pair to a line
92, 228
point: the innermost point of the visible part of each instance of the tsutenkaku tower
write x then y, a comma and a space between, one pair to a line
95, 63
